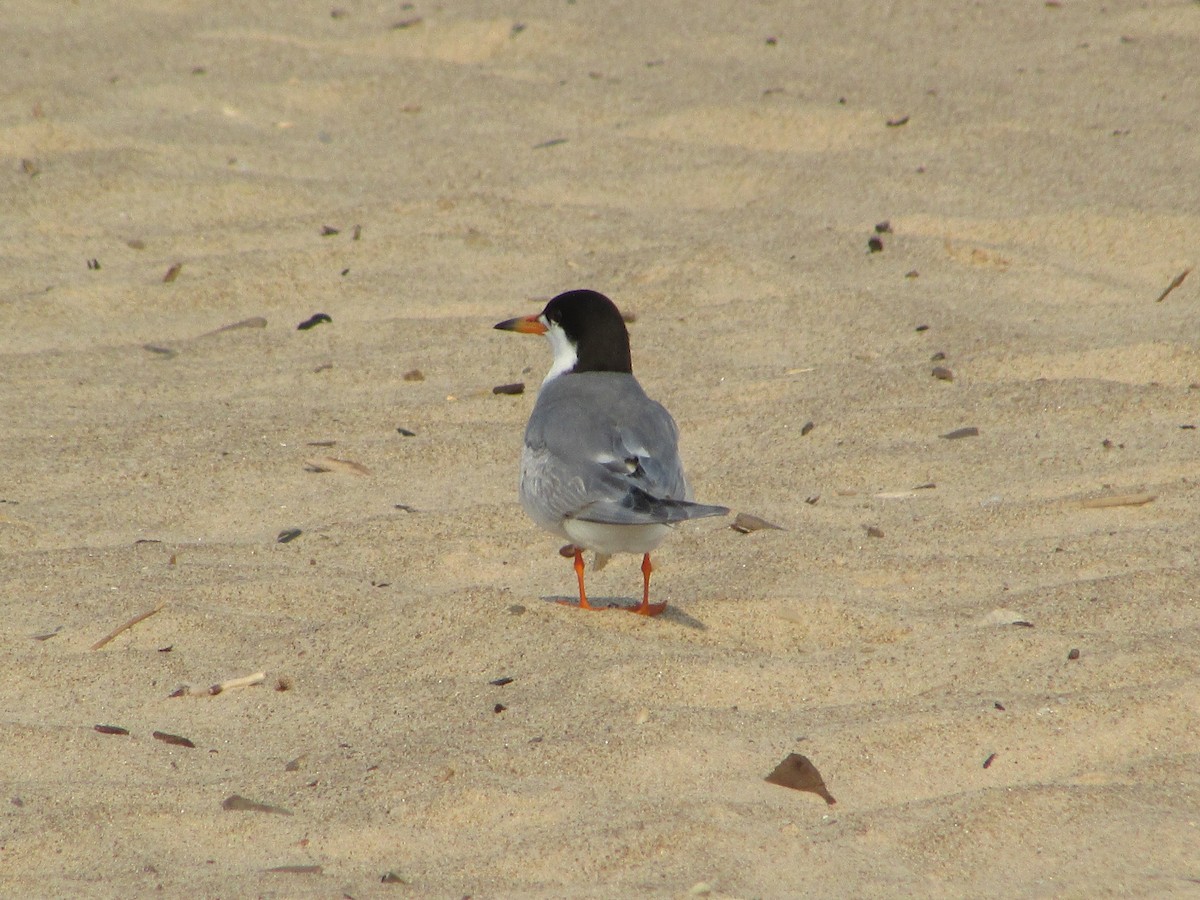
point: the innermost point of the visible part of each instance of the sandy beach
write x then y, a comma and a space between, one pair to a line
916, 281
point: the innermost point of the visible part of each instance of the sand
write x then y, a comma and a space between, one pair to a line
718, 169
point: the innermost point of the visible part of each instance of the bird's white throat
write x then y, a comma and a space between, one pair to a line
565, 353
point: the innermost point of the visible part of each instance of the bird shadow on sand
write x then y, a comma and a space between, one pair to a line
617, 605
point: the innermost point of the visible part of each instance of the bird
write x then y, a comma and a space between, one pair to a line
600, 466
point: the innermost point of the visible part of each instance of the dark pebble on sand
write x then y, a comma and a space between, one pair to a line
313, 321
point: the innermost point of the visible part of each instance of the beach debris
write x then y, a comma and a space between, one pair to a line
1117, 500
392, 878
874, 244
238, 803
998, 705
174, 739
1006, 617
30, 168
897, 122
405, 432
553, 142
220, 687
745, 523
172, 272
288, 535
501, 682
921, 328
313, 321
874, 531
296, 870
126, 625
987, 763
959, 433
499, 708
1175, 282
283, 683
293, 765
334, 464
517, 387
884, 227
895, 495
413, 375
252, 322
941, 373
93, 265
1073, 654
45, 636
407, 23
798, 773
975, 256
913, 273
812, 499
165, 352
806, 428
110, 729
356, 235
329, 231
242, 681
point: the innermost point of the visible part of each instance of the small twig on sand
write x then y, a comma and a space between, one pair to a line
125, 626
1117, 500
1174, 284
244, 681
221, 686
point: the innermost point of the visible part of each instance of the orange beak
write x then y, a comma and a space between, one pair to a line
523, 325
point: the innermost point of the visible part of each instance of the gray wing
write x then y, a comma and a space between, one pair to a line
599, 450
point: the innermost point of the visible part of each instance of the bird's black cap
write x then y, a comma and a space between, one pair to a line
594, 325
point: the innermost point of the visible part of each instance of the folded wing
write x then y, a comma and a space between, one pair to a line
590, 468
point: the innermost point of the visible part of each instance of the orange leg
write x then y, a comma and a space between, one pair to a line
647, 608
583, 601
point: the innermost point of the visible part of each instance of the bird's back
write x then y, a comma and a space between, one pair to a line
595, 442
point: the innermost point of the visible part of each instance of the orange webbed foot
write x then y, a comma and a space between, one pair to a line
582, 604
648, 609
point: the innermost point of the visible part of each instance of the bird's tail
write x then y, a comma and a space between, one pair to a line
682, 510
